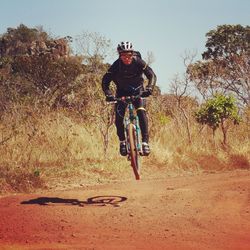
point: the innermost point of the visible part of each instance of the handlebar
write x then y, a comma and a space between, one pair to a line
126, 99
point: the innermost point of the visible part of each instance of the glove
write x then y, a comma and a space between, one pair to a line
147, 92
110, 98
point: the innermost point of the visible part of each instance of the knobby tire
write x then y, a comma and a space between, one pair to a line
133, 150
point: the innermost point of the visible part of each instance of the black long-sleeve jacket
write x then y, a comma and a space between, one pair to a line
128, 78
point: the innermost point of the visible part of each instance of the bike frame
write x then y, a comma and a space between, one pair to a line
133, 118
132, 133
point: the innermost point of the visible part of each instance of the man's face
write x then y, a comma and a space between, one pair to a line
126, 57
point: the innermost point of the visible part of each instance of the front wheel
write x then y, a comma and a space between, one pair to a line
134, 154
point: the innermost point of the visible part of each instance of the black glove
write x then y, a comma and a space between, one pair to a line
147, 92
110, 98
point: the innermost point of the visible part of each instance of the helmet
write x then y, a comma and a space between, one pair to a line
125, 47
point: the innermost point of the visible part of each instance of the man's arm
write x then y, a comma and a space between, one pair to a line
149, 73
107, 78
151, 77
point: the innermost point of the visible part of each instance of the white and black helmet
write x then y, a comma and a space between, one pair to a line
125, 47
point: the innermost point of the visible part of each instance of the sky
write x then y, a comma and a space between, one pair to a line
167, 28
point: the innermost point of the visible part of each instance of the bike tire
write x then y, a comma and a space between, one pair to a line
134, 154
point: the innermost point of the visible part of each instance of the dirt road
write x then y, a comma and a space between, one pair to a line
205, 211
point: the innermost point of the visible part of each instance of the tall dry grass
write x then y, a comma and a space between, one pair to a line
41, 148
205, 152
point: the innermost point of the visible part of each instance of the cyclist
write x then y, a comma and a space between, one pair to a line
127, 74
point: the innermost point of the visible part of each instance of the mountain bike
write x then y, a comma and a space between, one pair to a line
132, 133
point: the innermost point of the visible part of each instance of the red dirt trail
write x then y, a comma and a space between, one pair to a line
204, 211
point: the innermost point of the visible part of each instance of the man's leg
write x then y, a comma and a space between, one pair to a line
119, 117
143, 121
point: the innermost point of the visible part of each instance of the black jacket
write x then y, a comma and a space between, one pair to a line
128, 78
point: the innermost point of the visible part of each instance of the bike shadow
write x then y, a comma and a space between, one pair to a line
92, 201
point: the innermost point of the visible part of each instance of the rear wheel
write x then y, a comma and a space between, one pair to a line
134, 155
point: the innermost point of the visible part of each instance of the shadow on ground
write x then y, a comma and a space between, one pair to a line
96, 201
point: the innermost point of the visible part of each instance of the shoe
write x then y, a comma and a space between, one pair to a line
145, 149
123, 149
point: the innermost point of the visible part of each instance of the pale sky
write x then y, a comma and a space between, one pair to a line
167, 28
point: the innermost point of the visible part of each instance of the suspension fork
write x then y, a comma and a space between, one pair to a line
135, 120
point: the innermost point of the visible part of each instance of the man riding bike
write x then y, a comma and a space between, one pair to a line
127, 74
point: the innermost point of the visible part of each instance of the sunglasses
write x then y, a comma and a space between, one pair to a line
126, 54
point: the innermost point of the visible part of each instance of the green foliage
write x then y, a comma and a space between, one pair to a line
18, 41
46, 79
34, 69
163, 119
4, 61
217, 110
225, 67
22, 33
227, 40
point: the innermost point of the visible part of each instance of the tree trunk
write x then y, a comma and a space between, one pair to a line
187, 126
224, 131
106, 142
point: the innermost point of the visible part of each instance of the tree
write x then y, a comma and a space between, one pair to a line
226, 41
92, 45
216, 112
181, 88
95, 48
150, 58
34, 66
225, 67
49, 79
19, 41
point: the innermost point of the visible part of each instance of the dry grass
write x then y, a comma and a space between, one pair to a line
52, 149
47, 149
204, 152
